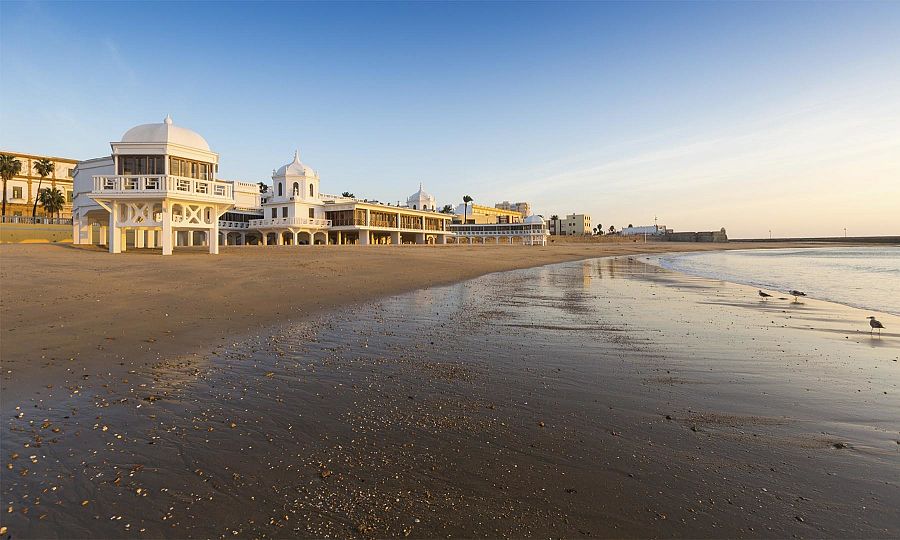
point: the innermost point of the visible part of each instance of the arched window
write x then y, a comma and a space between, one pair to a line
414, 207
296, 189
311, 190
280, 190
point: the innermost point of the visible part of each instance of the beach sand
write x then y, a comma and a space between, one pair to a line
600, 398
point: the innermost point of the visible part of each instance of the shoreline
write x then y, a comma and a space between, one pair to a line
76, 309
601, 397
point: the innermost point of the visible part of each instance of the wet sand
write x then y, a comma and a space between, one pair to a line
597, 398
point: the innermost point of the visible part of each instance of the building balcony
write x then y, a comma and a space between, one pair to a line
233, 224
147, 186
290, 222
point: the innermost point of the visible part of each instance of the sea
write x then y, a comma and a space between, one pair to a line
862, 277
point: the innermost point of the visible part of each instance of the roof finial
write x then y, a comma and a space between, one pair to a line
168, 119
297, 156
420, 186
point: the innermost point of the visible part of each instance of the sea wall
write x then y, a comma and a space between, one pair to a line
27, 233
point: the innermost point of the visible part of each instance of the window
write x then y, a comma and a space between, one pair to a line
274, 213
71, 173
17, 192
312, 213
69, 195
296, 189
280, 190
310, 190
140, 165
284, 211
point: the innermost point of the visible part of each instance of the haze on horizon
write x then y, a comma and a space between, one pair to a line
748, 116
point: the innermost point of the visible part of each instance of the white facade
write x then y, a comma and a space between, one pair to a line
158, 186
642, 230
532, 231
422, 201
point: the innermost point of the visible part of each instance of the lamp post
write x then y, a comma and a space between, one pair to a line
845, 232
770, 234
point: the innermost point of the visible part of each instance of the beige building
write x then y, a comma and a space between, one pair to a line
485, 215
521, 207
571, 225
22, 189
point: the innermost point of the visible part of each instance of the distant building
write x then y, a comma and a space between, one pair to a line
708, 236
22, 189
532, 231
422, 201
571, 225
485, 215
652, 230
521, 207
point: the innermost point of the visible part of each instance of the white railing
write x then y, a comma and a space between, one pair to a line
289, 222
163, 185
520, 230
340, 197
36, 220
233, 224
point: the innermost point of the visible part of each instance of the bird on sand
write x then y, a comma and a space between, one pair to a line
797, 294
875, 323
765, 296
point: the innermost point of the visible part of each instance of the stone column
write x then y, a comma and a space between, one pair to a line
139, 238
213, 234
364, 235
190, 237
396, 238
166, 231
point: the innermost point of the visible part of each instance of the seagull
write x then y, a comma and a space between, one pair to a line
765, 296
797, 294
875, 323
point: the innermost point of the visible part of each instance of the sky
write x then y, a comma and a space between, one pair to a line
756, 117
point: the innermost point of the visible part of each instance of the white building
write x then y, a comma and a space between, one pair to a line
532, 231
158, 188
421, 201
650, 230
158, 184
521, 207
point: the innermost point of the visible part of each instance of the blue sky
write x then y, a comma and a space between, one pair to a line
751, 116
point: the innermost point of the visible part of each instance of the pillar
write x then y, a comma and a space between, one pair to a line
396, 238
124, 246
190, 238
442, 239
243, 239
497, 240
279, 238
76, 223
139, 238
340, 239
166, 231
212, 235
364, 233
265, 239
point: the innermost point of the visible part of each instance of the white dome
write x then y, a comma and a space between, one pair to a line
534, 219
295, 168
421, 194
165, 132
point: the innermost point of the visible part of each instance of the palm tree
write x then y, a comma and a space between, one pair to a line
348, 195
466, 200
53, 200
263, 188
630, 225
447, 209
612, 229
44, 168
9, 167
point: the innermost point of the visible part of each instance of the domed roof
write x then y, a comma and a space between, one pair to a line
421, 194
534, 219
165, 132
295, 168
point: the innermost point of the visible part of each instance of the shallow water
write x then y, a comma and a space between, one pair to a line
863, 277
